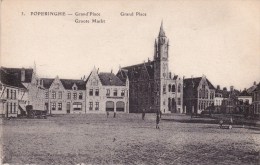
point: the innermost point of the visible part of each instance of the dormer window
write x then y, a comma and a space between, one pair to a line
74, 88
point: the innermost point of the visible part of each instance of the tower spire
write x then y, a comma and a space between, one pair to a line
161, 33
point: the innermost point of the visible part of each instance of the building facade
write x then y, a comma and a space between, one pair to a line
106, 92
256, 100
19, 87
198, 95
151, 86
64, 96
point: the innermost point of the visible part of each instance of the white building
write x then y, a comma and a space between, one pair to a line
106, 92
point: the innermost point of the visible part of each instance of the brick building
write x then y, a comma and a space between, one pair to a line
198, 94
151, 85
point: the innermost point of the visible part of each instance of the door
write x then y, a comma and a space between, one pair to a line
68, 108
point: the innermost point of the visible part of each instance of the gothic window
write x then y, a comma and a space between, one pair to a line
170, 87
173, 88
164, 89
179, 88
179, 101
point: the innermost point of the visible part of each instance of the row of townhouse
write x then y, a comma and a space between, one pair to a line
99, 93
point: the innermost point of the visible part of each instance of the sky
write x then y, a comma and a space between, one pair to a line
218, 39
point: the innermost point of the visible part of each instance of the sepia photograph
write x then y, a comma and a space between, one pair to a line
130, 82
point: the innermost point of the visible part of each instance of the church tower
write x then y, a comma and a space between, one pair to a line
161, 49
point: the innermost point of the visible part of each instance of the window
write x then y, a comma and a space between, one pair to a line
46, 95
90, 105
96, 92
169, 87
11, 94
164, 88
7, 93
53, 106
123, 93
91, 92
179, 88
60, 106
15, 94
74, 88
179, 101
60, 95
173, 88
115, 92
1, 86
11, 107
108, 92
74, 95
97, 106
53, 95
80, 95
68, 95
77, 106
207, 93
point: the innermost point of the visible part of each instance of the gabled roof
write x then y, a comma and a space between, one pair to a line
244, 93
196, 82
110, 79
257, 88
47, 82
68, 83
10, 79
18, 72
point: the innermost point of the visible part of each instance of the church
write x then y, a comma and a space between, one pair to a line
152, 87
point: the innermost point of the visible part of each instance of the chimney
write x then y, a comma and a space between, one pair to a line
218, 87
254, 82
22, 74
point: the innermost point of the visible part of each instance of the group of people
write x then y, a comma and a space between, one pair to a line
158, 117
114, 114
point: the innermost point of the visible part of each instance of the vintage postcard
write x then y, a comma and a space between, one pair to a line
130, 82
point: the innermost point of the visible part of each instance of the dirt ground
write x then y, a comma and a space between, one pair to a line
126, 139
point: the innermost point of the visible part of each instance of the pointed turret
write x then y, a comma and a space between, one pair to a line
161, 33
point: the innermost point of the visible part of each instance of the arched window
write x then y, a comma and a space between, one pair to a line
170, 87
164, 88
173, 88
207, 94
179, 88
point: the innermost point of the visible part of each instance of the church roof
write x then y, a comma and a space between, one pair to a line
110, 79
133, 72
47, 82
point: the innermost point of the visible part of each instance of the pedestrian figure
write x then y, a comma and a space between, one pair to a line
114, 114
161, 113
157, 121
220, 123
107, 114
143, 114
